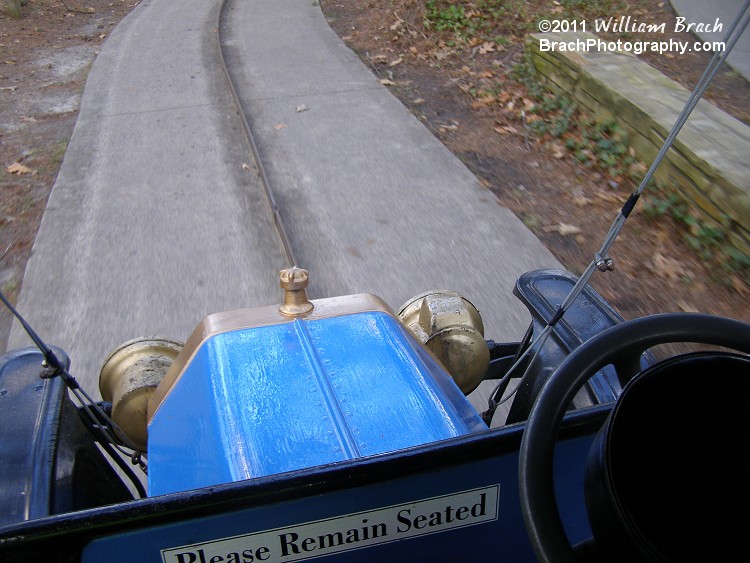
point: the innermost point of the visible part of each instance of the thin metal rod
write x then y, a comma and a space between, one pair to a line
601, 257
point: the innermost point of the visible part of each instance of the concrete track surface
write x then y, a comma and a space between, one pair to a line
159, 217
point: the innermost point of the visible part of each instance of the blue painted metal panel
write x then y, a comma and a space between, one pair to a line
272, 399
501, 537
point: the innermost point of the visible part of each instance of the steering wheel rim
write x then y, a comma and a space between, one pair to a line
619, 345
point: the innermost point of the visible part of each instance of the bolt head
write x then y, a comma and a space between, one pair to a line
293, 278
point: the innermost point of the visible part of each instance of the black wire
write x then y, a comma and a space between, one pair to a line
101, 438
59, 370
497, 394
49, 357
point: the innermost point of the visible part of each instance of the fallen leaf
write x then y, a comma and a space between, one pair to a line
486, 47
452, 126
505, 129
563, 229
18, 169
533, 118
687, 307
444, 54
397, 61
666, 267
386, 82
612, 198
637, 168
739, 285
581, 201
558, 149
279, 126
483, 101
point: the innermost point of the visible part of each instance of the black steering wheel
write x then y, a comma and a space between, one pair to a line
621, 345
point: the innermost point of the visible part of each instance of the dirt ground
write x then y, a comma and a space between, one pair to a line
44, 60
45, 57
570, 207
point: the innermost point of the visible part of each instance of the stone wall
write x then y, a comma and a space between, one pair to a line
709, 162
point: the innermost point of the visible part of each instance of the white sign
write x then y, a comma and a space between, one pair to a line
348, 532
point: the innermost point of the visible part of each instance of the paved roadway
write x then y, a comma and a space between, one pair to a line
158, 217
718, 16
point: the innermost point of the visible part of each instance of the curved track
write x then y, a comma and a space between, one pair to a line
278, 221
160, 214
